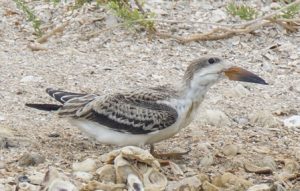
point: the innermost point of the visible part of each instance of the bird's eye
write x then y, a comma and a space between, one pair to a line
211, 60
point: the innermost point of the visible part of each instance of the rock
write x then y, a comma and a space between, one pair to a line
231, 150
264, 118
2, 165
25, 186
215, 117
292, 122
207, 160
260, 187
87, 165
269, 161
83, 176
36, 178
31, 79
291, 166
189, 183
29, 159
209, 187
237, 91
2, 118
106, 174
23, 178
228, 180
249, 167
218, 15
55, 181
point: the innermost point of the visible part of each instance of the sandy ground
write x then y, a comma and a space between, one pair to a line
249, 116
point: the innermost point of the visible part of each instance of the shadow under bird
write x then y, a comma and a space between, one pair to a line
145, 116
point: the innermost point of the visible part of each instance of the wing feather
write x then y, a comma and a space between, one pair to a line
135, 113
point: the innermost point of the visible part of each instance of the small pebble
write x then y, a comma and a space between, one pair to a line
215, 117
54, 134
260, 187
31, 79
2, 165
231, 150
293, 122
36, 178
31, 159
87, 165
84, 176
23, 178
207, 160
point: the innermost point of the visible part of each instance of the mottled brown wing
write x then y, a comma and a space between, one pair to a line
134, 113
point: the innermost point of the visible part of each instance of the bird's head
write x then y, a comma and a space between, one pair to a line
210, 69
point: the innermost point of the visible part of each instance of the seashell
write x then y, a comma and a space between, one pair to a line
87, 165
132, 153
175, 169
54, 181
192, 183
154, 180
256, 169
123, 169
134, 183
107, 174
206, 186
227, 180
95, 185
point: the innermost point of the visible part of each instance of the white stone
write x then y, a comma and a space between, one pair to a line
87, 165
85, 176
31, 79
2, 118
260, 187
237, 91
215, 117
218, 15
36, 178
264, 118
293, 121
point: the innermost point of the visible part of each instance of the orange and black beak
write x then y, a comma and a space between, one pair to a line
240, 74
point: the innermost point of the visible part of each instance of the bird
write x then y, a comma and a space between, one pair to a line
145, 116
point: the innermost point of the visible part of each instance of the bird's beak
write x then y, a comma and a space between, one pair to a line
240, 74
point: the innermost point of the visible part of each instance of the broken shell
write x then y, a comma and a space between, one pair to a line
123, 169
133, 153
291, 166
191, 183
206, 186
260, 187
256, 169
87, 165
134, 183
107, 174
154, 180
226, 180
95, 185
54, 181
175, 169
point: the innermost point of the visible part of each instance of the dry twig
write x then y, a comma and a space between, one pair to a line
227, 31
58, 29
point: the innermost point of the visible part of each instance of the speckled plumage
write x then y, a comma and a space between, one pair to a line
144, 116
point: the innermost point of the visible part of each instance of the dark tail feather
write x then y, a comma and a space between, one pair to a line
62, 96
45, 107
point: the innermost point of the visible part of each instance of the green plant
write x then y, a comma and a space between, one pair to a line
130, 16
243, 11
291, 11
36, 23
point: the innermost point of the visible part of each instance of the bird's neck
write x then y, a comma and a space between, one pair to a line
195, 89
